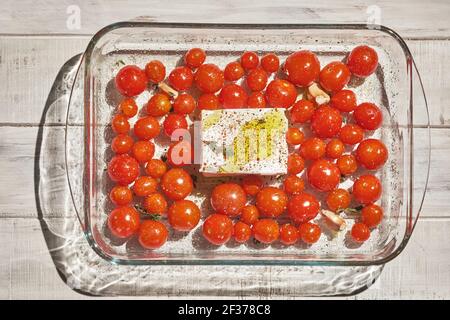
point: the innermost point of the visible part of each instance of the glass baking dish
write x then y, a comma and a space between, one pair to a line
396, 88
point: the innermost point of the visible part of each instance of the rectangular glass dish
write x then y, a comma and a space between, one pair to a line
395, 88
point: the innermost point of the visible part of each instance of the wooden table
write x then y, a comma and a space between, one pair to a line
36, 39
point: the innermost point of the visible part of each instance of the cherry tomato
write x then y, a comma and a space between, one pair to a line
155, 203
256, 100
249, 60
176, 184
233, 96
309, 232
294, 136
180, 153
183, 215
326, 122
159, 105
295, 163
209, 78
252, 184
184, 104
121, 195
338, 199
123, 169
228, 199
128, 107
155, 168
371, 154
208, 101
362, 61
146, 128
334, 76
181, 78
360, 232
281, 93
351, 134
303, 207
266, 230
257, 79
143, 151
344, 101
123, 222
323, 175
233, 71
217, 229
367, 189
302, 68
120, 124
368, 116
288, 234
371, 215
293, 185
121, 143
152, 234
131, 81
155, 71
173, 122
270, 63
145, 185
347, 164
241, 232
302, 111
335, 148
249, 215
271, 201
313, 148
195, 57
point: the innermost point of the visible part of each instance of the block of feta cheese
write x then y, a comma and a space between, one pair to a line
243, 141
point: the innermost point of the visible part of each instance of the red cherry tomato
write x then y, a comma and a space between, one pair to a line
146, 128
256, 100
371, 154
131, 81
123, 222
294, 136
181, 78
351, 134
309, 232
208, 101
209, 78
155, 203
176, 184
257, 79
233, 96
121, 143
195, 57
281, 94
312, 148
362, 61
217, 229
335, 148
128, 107
252, 184
326, 122
323, 175
293, 185
371, 215
271, 202
302, 68
302, 111
266, 230
183, 215
120, 124
338, 199
270, 63
367, 189
152, 234
334, 76
249, 60
303, 207
344, 101
241, 232
288, 234
180, 153
347, 164
184, 104
121, 195
295, 163
143, 151
155, 71
360, 232
155, 168
368, 116
233, 71
123, 169
249, 215
228, 199
144, 186
159, 105
173, 122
